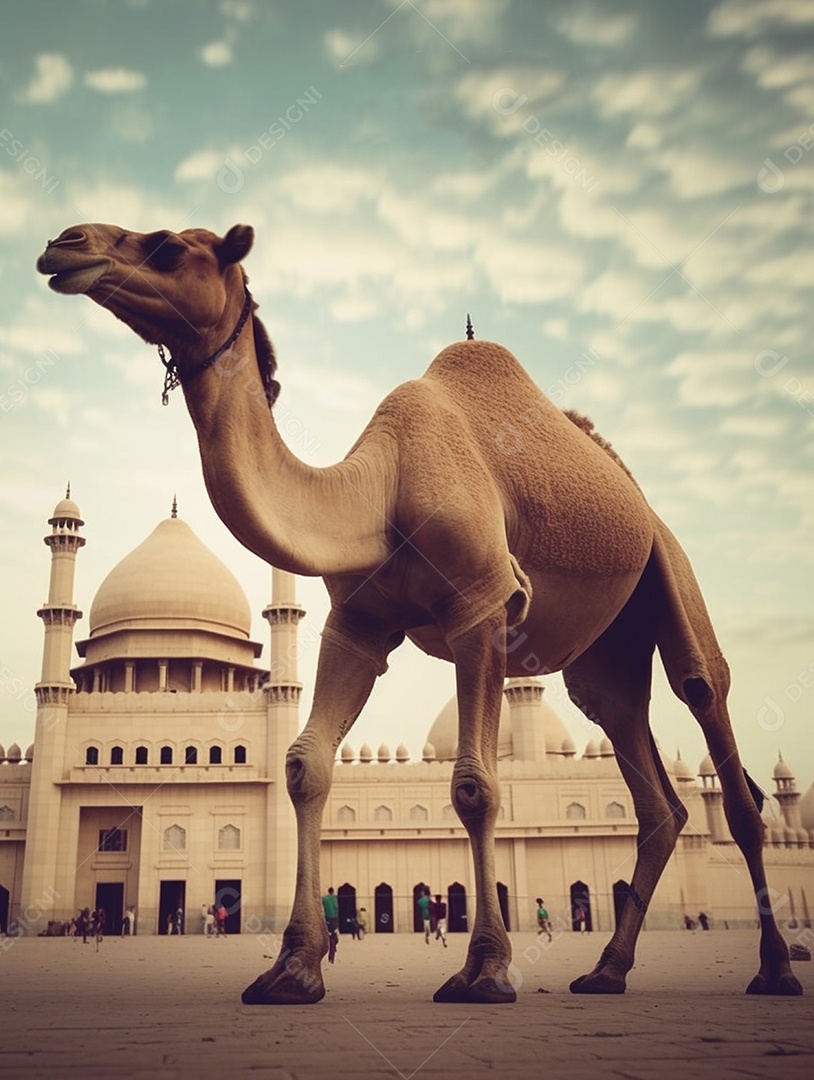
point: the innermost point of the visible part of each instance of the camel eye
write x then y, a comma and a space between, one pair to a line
163, 249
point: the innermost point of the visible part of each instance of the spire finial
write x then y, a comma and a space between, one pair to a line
470, 330
174, 507
68, 490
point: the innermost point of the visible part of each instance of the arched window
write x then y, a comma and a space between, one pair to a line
175, 838
166, 755
346, 813
575, 811
615, 810
382, 813
190, 755
229, 838
116, 755
240, 755
418, 813
6, 813
92, 755
141, 755
215, 755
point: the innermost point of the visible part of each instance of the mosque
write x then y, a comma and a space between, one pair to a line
156, 780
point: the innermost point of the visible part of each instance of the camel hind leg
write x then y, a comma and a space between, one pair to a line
610, 682
699, 676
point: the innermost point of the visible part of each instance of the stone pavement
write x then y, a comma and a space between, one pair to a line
152, 1008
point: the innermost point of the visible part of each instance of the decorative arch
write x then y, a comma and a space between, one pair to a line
448, 813
346, 813
419, 813
615, 810
91, 755
190, 755
117, 755
175, 838
382, 813
215, 755
575, 812
165, 755
229, 838
239, 755
7, 813
142, 755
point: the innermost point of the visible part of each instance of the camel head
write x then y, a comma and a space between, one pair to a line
171, 288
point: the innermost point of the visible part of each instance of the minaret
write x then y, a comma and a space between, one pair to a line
44, 889
283, 710
787, 794
713, 802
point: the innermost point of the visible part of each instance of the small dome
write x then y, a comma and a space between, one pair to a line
2, 752
706, 768
428, 753
14, 752
606, 747
802, 836
383, 754
365, 754
66, 510
29, 754
790, 835
402, 754
592, 749
683, 770
569, 747
782, 771
347, 753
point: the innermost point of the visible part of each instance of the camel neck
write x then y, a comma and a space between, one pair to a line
287, 512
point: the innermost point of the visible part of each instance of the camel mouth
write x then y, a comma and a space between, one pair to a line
79, 279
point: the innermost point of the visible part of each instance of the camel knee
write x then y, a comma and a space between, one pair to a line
475, 795
307, 772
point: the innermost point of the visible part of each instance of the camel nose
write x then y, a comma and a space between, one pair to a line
70, 236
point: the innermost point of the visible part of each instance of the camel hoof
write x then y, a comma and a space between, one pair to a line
283, 989
597, 984
786, 985
485, 990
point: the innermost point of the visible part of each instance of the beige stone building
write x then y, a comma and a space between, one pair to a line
156, 781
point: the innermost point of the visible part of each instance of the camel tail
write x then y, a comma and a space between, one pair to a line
757, 792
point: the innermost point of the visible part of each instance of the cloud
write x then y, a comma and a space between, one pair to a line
342, 47
650, 92
52, 80
748, 18
216, 54
589, 25
203, 164
115, 80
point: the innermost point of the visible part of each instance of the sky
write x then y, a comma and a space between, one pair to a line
620, 193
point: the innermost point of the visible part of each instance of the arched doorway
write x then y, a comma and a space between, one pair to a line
227, 893
383, 908
346, 895
418, 922
5, 897
456, 915
581, 902
620, 891
503, 902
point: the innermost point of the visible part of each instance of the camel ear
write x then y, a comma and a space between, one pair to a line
236, 245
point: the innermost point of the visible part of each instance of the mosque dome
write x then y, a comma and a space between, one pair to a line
365, 754
706, 768
592, 749
444, 732
383, 754
428, 753
683, 770
14, 753
606, 747
29, 754
171, 582
346, 754
402, 754
171, 575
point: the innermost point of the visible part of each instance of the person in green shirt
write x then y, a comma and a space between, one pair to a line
423, 903
543, 921
330, 906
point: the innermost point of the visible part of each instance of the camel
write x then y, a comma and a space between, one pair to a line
472, 516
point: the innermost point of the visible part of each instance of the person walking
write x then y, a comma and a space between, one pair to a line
423, 904
440, 919
330, 907
543, 921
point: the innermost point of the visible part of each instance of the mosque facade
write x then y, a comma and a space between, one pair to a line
156, 781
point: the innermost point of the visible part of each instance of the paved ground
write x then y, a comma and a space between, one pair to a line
169, 1009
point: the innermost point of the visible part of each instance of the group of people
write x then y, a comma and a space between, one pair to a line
703, 921
433, 916
90, 924
357, 924
213, 920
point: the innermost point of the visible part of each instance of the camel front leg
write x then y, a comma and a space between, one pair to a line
343, 684
480, 668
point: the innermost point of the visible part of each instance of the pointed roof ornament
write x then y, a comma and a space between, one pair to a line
68, 490
174, 513
470, 330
